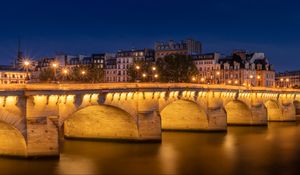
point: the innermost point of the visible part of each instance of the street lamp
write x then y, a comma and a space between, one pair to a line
153, 68
202, 80
193, 79
26, 65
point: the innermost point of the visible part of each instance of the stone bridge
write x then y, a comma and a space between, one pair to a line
34, 117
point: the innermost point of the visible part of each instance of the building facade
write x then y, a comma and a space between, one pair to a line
125, 59
288, 79
208, 67
9, 75
186, 47
240, 68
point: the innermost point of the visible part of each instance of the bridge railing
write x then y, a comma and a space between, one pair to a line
43, 86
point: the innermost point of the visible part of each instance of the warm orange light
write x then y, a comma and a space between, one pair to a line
65, 71
193, 79
229, 82
218, 73
281, 79
235, 82
202, 79
258, 77
287, 80
26, 63
153, 68
54, 65
144, 75
83, 72
156, 76
251, 76
137, 67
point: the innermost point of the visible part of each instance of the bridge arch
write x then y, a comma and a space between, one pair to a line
238, 112
13, 120
274, 110
101, 122
12, 142
183, 115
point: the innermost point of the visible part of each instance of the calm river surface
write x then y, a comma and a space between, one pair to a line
274, 149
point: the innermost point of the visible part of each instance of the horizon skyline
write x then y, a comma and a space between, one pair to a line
87, 53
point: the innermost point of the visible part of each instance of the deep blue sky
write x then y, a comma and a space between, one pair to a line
86, 26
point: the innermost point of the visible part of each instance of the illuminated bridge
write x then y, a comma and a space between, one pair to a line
33, 117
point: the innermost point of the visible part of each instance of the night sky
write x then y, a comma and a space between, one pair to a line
84, 27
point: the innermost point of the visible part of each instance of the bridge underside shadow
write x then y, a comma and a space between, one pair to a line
238, 113
286, 112
184, 115
12, 142
101, 122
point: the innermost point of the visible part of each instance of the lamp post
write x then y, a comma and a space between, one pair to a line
251, 78
218, 76
54, 66
26, 65
153, 71
65, 73
144, 76
156, 76
258, 79
287, 82
83, 73
137, 68
281, 82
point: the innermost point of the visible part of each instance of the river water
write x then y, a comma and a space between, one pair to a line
273, 149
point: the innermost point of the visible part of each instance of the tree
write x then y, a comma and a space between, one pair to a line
87, 73
176, 68
46, 75
139, 68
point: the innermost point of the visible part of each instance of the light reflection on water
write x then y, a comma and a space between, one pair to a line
242, 150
